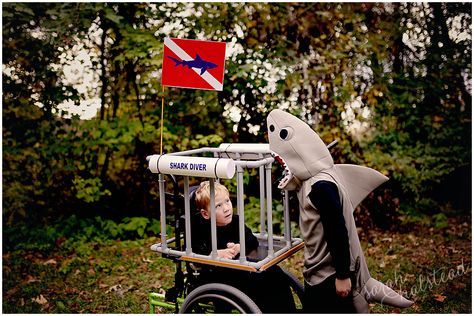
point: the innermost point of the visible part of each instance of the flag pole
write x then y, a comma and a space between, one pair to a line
162, 110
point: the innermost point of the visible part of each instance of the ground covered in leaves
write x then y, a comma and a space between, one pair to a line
431, 266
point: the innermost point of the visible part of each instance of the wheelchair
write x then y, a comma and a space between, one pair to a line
195, 290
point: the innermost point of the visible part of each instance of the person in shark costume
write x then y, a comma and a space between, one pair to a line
309, 167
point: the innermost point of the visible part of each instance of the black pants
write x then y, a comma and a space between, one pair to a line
322, 298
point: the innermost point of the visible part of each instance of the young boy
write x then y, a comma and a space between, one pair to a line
227, 223
269, 289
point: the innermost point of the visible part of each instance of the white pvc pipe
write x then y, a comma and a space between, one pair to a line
187, 216
244, 151
161, 188
223, 168
212, 205
268, 177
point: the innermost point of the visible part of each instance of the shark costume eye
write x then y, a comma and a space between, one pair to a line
286, 133
272, 128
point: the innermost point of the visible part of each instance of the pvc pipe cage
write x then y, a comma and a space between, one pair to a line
275, 248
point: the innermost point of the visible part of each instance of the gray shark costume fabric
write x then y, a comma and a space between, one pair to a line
308, 161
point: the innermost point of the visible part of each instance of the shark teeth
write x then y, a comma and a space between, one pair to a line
287, 175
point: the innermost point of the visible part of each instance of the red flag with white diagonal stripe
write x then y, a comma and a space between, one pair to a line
193, 64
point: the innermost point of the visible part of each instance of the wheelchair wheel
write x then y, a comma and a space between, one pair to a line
218, 298
295, 284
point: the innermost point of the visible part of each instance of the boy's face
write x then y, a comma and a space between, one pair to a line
223, 209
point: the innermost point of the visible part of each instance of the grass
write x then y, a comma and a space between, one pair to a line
115, 277
430, 266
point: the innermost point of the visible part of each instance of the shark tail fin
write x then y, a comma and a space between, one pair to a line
378, 292
359, 181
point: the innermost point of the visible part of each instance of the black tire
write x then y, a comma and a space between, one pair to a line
295, 284
218, 298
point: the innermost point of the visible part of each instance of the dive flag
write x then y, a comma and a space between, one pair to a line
193, 64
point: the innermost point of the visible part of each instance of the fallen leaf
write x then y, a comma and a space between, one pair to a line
70, 290
439, 297
390, 258
50, 261
113, 288
408, 276
60, 240
29, 279
459, 286
121, 268
373, 250
12, 291
147, 260
40, 300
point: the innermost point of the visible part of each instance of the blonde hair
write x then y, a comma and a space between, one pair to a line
203, 194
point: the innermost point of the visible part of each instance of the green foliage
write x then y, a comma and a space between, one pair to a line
134, 224
252, 217
354, 76
252, 214
89, 190
440, 221
416, 168
75, 233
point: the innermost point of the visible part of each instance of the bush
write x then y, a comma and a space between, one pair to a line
68, 232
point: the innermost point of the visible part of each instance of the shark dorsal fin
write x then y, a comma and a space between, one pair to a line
198, 57
359, 181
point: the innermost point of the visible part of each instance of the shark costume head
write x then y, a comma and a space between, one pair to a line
307, 159
298, 148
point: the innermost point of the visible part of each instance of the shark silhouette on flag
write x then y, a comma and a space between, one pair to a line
307, 160
198, 62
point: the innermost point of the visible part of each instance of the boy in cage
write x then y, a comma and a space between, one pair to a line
269, 289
